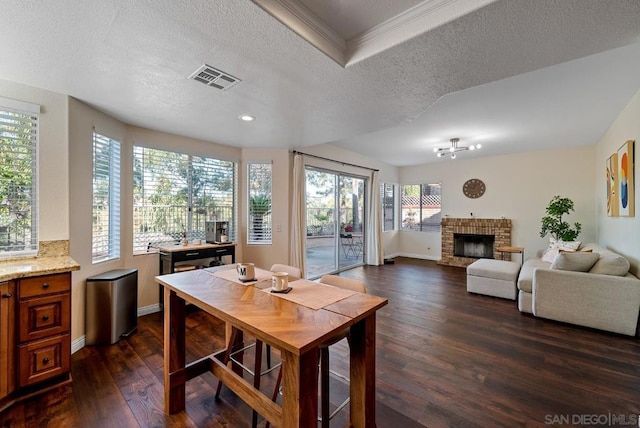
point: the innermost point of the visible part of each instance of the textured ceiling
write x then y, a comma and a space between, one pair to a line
504, 73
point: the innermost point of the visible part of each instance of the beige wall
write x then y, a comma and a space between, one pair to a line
619, 233
278, 251
519, 187
82, 122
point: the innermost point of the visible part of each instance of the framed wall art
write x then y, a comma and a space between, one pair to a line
625, 186
612, 185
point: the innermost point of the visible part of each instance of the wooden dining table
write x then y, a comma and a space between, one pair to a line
292, 323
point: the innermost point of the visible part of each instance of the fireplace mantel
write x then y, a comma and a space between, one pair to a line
499, 227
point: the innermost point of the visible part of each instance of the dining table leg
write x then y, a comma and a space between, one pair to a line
174, 352
363, 372
300, 389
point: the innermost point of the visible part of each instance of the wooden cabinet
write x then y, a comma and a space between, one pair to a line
7, 338
44, 344
35, 335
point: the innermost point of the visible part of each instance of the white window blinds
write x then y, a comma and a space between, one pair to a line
175, 193
388, 199
260, 197
18, 178
106, 199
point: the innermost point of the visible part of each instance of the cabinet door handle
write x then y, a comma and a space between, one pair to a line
7, 296
45, 318
45, 285
45, 361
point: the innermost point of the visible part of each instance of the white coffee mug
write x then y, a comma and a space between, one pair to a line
246, 271
279, 281
224, 238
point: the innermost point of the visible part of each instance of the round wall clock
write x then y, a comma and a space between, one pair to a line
473, 188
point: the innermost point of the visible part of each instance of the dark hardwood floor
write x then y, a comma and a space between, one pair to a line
445, 358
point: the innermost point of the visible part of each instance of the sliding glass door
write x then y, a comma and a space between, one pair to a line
335, 221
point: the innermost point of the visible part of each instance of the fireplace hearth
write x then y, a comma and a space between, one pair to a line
498, 228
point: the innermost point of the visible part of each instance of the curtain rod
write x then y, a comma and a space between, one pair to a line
332, 160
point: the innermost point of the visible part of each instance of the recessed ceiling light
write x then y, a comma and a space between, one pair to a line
246, 118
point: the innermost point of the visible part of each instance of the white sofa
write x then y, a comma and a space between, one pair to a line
605, 297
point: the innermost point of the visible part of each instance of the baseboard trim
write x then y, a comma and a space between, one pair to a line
78, 344
151, 309
418, 256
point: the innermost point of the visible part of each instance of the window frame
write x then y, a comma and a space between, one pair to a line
113, 169
10, 109
421, 226
384, 206
267, 218
194, 217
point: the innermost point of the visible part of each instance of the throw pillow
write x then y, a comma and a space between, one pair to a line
575, 261
550, 255
564, 245
611, 264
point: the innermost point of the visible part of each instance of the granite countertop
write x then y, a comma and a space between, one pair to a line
22, 268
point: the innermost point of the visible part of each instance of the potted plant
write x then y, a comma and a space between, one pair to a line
259, 206
554, 225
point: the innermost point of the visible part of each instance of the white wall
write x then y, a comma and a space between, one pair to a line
619, 234
519, 187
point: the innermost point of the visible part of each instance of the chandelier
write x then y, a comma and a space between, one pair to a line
441, 151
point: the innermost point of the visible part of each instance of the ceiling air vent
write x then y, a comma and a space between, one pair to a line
213, 77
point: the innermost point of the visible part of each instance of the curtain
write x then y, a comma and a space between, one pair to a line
298, 221
374, 255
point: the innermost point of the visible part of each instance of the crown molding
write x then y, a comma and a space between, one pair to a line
419, 19
307, 25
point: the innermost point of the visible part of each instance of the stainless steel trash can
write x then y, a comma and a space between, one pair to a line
112, 306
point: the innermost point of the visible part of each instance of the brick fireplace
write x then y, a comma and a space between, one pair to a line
500, 228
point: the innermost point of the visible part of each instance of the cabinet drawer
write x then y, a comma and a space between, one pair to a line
222, 251
44, 359
189, 255
47, 284
44, 317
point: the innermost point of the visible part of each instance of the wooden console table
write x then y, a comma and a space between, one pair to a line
512, 250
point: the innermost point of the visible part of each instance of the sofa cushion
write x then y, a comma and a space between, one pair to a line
496, 269
611, 263
525, 279
575, 261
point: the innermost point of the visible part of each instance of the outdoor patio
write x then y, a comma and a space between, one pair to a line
321, 258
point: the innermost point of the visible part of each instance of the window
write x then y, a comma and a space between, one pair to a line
175, 194
388, 202
421, 207
106, 199
18, 178
259, 224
